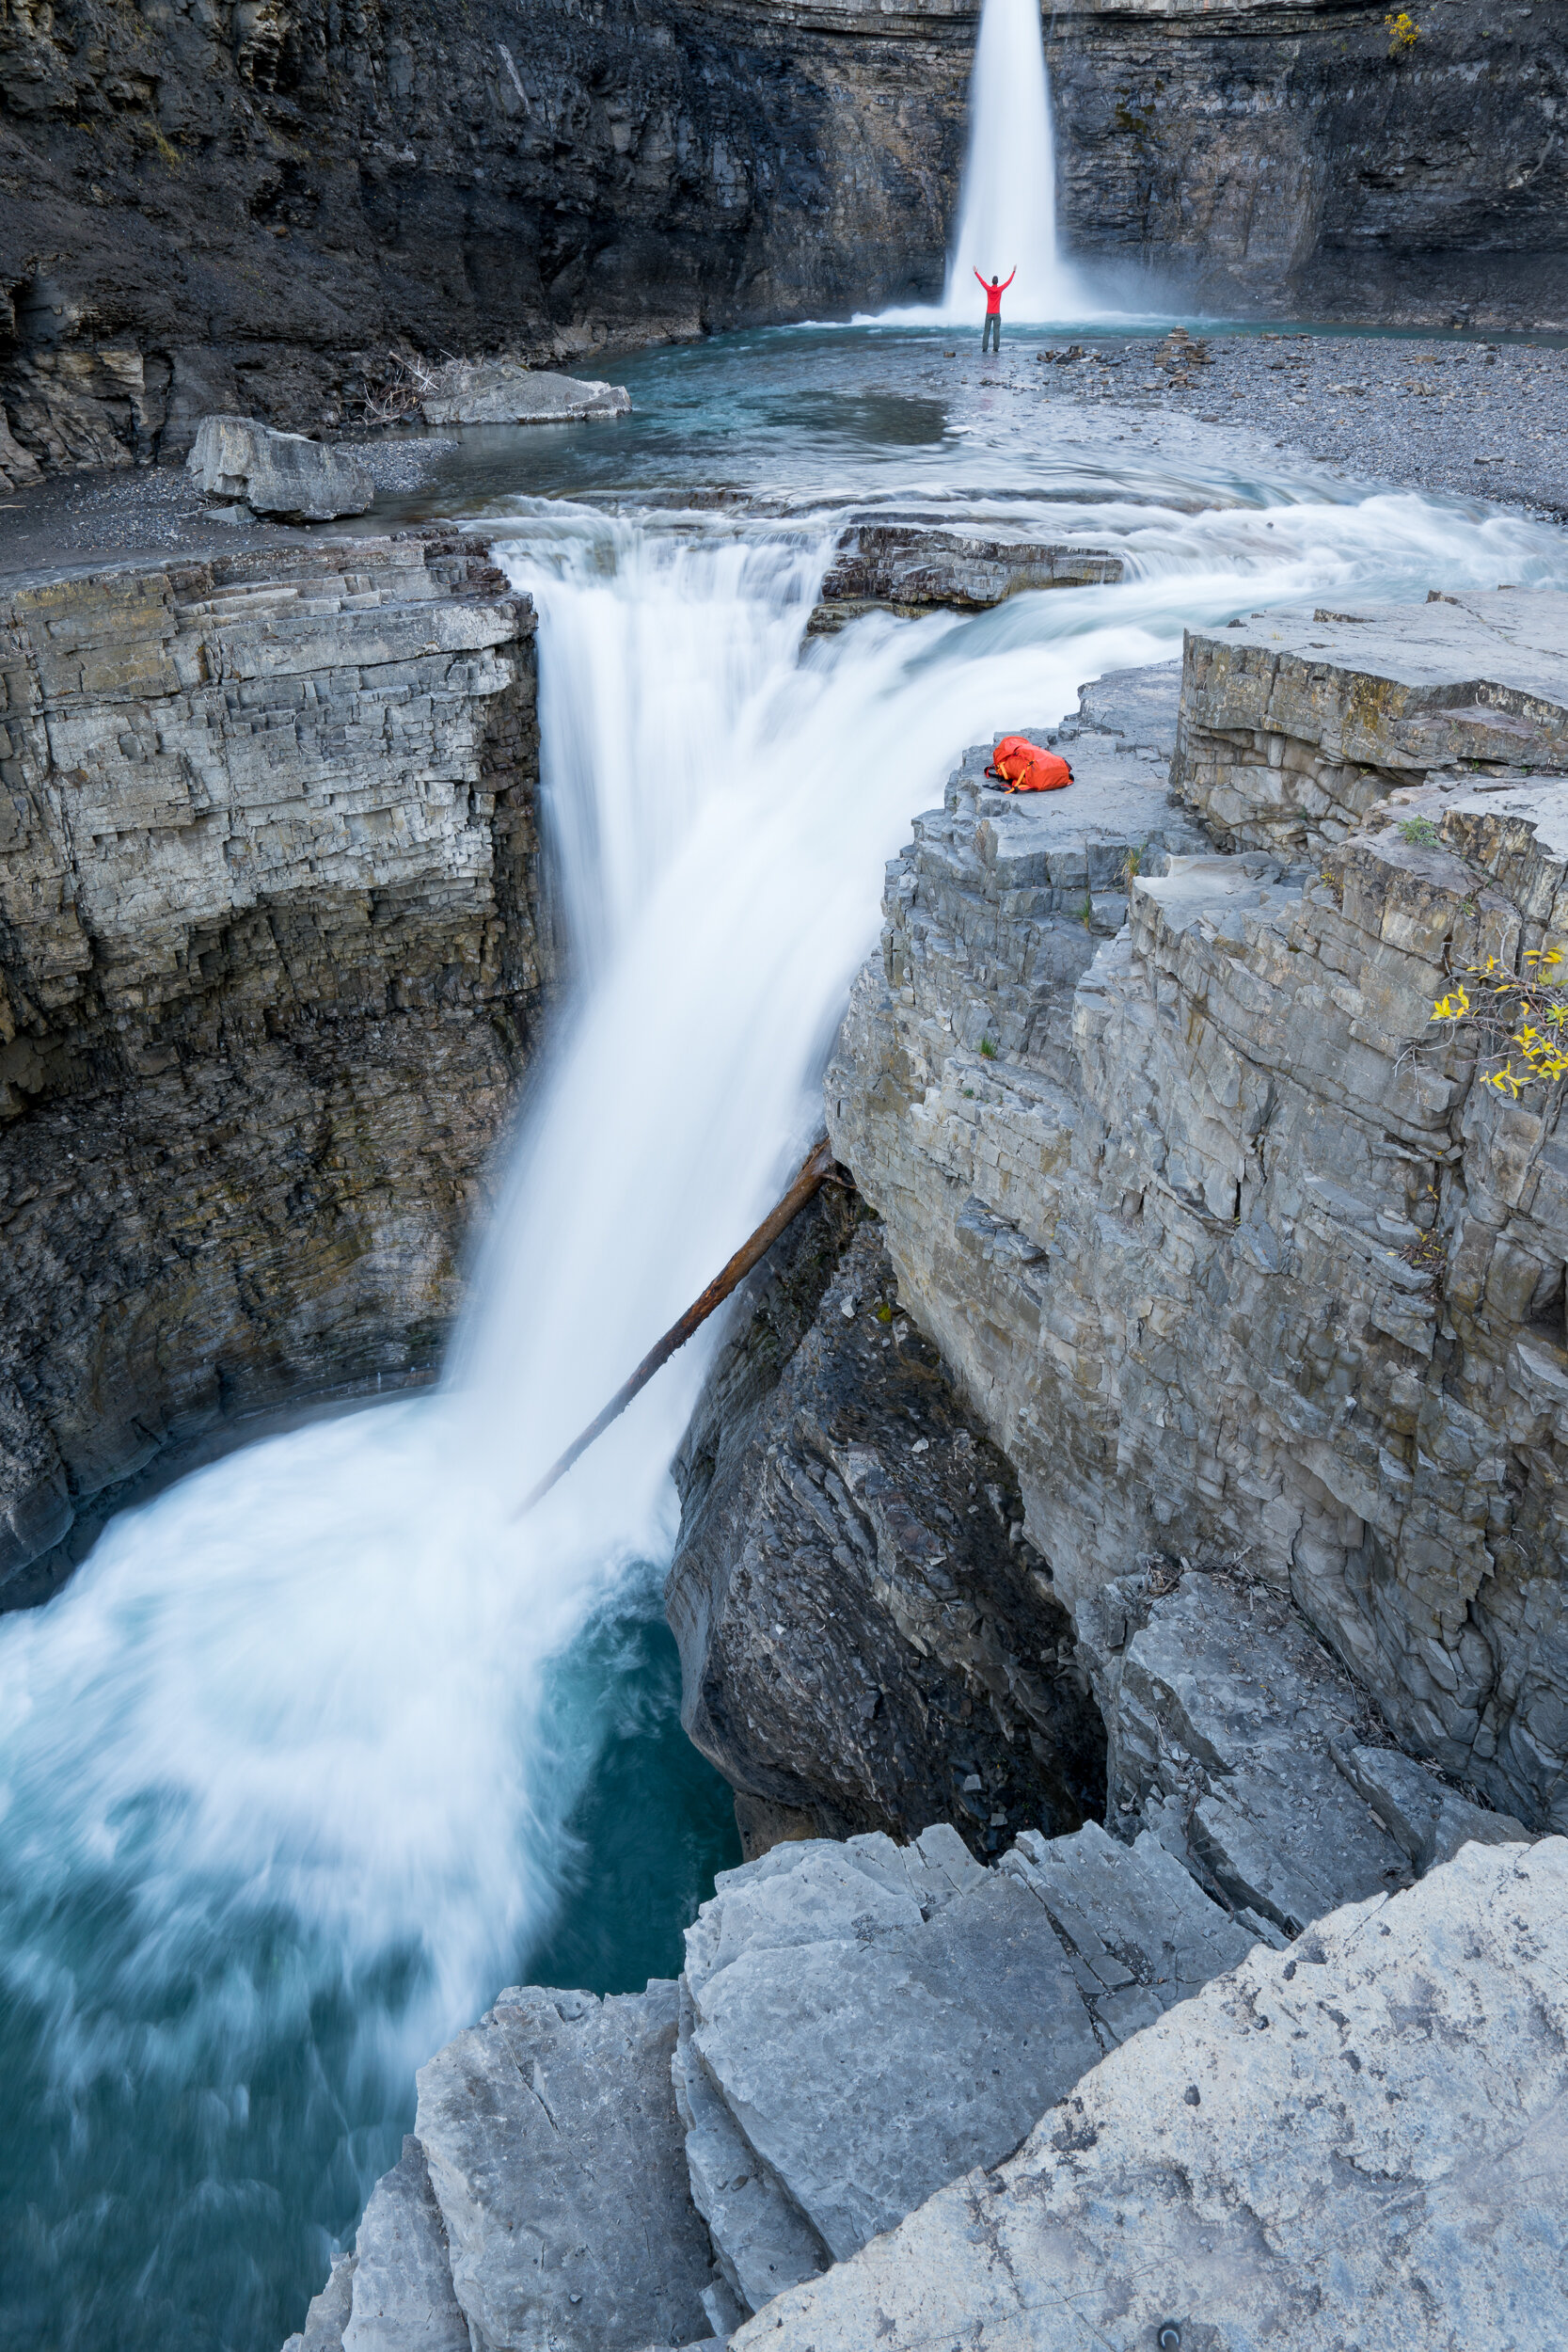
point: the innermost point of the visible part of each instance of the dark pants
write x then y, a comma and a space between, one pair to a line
992, 339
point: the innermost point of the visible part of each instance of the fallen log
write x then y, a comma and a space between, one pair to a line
815, 1171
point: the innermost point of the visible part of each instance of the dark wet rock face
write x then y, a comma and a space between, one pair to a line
1299, 159
867, 1641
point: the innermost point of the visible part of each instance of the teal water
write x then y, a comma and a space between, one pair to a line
180, 2181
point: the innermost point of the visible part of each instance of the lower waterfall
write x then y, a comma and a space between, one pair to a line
286, 1772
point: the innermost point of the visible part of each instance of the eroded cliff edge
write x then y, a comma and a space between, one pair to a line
1229, 1270
270, 962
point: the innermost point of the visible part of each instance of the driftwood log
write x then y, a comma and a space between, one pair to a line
815, 1173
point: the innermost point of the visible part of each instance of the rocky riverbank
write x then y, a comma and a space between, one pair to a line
272, 956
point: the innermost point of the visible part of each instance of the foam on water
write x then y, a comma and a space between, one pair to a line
286, 1772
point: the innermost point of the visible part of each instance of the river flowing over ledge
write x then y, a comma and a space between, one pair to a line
325, 1761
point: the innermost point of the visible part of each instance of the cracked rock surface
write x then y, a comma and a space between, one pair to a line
1361, 2139
555, 2154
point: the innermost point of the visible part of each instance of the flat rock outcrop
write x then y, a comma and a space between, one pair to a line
1296, 725
270, 962
1237, 1261
914, 566
1363, 2140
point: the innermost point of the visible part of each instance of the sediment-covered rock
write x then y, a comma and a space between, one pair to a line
277, 473
269, 965
1235, 1266
1363, 2139
505, 392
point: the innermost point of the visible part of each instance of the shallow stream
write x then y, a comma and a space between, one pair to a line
322, 1747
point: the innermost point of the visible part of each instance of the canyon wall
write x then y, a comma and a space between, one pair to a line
1261, 155
270, 962
240, 204
247, 205
1241, 1263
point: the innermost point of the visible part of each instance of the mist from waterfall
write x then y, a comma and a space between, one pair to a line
287, 1770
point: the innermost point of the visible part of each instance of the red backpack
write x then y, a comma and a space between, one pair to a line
1022, 766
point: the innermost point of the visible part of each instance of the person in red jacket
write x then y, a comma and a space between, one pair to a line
995, 292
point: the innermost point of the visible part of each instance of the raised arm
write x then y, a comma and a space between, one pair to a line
1008, 279
979, 280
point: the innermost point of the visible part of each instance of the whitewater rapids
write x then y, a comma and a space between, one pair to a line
285, 1772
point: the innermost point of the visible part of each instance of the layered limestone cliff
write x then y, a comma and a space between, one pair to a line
1296, 157
270, 959
1238, 1261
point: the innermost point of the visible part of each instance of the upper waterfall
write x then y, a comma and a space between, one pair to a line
1007, 202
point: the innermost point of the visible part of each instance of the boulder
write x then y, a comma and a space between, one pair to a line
282, 474
556, 2156
504, 391
402, 2299
1361, 2141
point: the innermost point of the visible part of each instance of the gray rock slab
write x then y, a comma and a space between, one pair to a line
797, 1894
329, 2311
763, 2241
283, 475
1420, 1811
1227, 1712
911, 564
504, 391
403, 2291
1360, 2142
866, 2070
1139, 1931
1140, 706
557, 2157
